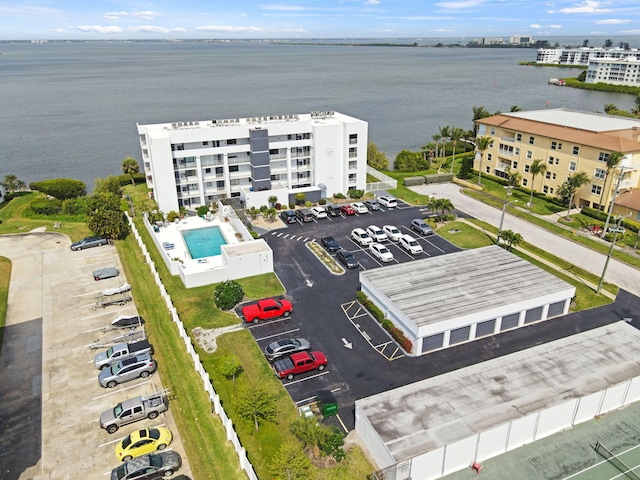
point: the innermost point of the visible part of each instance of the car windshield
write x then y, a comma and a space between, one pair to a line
155, 460
153, 433
383, 250
110, 352
126, 441
121, 471
394, 230
117, 410
116, 368
413, 243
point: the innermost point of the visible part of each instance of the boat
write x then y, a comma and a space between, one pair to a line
556, 81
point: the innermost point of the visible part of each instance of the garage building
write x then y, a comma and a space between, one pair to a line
446, 423
451, 299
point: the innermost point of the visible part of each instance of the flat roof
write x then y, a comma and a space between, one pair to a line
426, 415
450, 286
595, 122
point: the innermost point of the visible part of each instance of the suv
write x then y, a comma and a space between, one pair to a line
361, 237
304, 215
388, 202
372, 204
419, 225
330, 244
126, 370
89, 242
410, 244
377, 234
333, 210
319, 212
288, 216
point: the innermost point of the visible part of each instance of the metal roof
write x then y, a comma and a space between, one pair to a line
426, 415
450, 286
595, 122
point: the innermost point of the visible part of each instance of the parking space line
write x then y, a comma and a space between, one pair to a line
277, 334
114, 391
434, 245
270, 322
116, 440
293, 382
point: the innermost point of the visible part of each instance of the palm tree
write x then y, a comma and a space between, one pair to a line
130, 167
455, 134
612, 162
478, 113
515, 108
610, 108
538, 167
436, 138
512, 238
444, 135
570, 187
441, 205
482, 144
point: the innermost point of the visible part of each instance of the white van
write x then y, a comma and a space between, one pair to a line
388, 202
361, 237
410, 244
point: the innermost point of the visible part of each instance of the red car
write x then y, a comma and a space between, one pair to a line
265, 309
347, 210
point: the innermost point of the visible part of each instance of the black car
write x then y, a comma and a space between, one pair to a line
347, 258
288, 216
333, 210
330, 244
89, 242
372, 205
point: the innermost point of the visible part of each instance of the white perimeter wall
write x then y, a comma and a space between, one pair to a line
501, 439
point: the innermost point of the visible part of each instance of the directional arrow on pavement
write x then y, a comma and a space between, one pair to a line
347, 344
309, 283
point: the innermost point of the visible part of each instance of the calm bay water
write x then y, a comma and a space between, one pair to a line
70, 109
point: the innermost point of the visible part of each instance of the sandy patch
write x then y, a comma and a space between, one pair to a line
206, 337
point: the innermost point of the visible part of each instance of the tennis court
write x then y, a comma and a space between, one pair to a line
623, 465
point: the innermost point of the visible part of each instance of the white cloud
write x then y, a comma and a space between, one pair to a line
535, 25
154, 29
228, 29
456, 5
143, 15
631, 32
372, 2
441, 30
612, 21
288, 8
99, 28
587, 6
294, 30
555, 26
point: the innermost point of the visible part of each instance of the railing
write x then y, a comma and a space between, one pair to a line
385, 183
245, 464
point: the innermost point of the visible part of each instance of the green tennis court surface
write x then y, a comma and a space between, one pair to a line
622, 465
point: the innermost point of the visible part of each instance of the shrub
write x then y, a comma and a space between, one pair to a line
254, 234
412, 181
172, 215
369, 305
46, 206
300, 198
75, 206
202, 210
292, 206
278, 206
339, 196
263, 208
355, 193
308, 204
439, 178
60, 188
228, 294
395, 332
322, 201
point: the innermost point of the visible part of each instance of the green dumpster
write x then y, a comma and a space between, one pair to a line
327, 403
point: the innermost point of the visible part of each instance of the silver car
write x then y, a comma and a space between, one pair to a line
103, 273
285, 347
140, 366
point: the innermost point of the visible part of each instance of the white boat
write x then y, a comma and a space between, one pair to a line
556, 81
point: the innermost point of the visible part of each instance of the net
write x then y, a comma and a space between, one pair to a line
615, 461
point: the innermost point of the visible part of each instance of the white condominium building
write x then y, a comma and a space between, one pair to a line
614, 72
196, 163
582, 55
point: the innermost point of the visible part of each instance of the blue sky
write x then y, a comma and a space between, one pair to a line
228, 19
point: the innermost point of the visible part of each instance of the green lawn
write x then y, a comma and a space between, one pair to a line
5, 278
464, 235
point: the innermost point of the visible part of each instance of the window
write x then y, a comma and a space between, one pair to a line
547, 175
557, 161
603, 157
273, 151
353, 152
518, 137
550, 162
231, 141
556, 146
572, 166
234, 182
553, 176
531, 140
576, 150
545, 189
493, 131
529, 154
205, 143
515, 165
488, 169
596, 189
524, 182
233, 168
353, 138
207, 170
516, 151
600, 173
526, 168
488, 157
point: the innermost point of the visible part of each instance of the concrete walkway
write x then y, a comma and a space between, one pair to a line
621, 274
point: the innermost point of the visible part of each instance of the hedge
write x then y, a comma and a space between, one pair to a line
395, 332
60, 188
413, 181
438, 178
602, 216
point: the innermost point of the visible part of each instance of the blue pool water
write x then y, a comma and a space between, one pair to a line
204, 242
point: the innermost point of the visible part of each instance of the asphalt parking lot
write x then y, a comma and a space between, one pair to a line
363, 360
66, 420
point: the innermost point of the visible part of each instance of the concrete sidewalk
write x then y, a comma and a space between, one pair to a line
623, 275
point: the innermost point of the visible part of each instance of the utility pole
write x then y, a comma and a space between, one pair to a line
504, 209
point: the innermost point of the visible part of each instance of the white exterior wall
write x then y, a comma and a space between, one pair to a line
379, 453
614, 72
509, 436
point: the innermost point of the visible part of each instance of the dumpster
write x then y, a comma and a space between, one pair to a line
327, 403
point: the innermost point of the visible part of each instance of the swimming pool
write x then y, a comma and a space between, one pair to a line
204, 242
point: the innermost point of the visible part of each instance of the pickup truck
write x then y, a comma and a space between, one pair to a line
133, 410
265, 309
121, 351
299, 363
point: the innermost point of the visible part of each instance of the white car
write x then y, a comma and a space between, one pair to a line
381, 252
388, 202
360, 207
123, 287
410, 244
319, 212
392, 232
361, 237
377, 234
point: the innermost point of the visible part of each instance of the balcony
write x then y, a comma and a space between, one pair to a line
508, 139
503, 166
505, 153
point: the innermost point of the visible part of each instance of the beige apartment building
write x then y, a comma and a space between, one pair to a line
568, 141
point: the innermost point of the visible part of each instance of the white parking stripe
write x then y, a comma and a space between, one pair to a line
306, 378
114, 391
277, 335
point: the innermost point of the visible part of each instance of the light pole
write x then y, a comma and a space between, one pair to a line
613, 244
504, 209
612, 201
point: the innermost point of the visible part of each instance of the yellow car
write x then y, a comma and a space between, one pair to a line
143, 441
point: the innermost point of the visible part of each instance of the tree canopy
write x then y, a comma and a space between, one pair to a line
407, 161
130, 167
105, 216
375, 158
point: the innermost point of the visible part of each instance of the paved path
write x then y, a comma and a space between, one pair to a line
621, 274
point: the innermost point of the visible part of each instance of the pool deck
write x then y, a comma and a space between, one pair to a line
171, 238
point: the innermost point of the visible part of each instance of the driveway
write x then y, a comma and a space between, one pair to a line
619, 273
51, 397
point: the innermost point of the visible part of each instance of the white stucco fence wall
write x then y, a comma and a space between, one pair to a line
204, 376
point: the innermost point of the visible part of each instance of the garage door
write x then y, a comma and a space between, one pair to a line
510, 321
485, 328
555, 309
432, 343
533, 315
459, 335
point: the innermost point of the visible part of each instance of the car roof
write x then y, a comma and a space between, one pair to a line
359, 230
